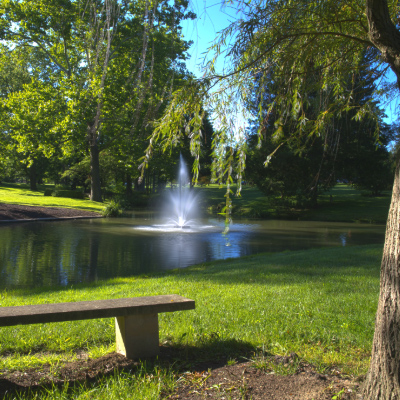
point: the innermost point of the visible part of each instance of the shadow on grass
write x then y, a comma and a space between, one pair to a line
286, 267
212, 352
91, 373
76, 207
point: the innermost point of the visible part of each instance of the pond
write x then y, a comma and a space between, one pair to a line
66, 252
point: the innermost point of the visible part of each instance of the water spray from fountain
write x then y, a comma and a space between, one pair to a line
183, 202
181, 211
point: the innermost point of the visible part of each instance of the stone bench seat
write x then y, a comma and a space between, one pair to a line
136, 318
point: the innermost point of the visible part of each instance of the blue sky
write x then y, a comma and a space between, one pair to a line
211, 19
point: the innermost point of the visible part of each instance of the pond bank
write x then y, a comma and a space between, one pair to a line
16, 212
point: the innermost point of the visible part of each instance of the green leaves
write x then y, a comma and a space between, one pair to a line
96, 73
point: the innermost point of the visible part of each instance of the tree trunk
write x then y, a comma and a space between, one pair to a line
95, 187
383, 377
93, 259
139, 184
154, 182
32, 176
128, 185
147, 183
384, 34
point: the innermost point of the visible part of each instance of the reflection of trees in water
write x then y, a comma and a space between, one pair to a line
18, 254
62, 253
30, 256
93, 258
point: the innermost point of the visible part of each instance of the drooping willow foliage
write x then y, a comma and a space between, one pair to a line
312, 53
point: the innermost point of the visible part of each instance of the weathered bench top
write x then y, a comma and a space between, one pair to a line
42, 313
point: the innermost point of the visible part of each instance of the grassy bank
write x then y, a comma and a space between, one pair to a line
20, 194
341, 204
346, 204
317, 303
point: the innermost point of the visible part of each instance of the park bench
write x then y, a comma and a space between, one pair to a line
136, 318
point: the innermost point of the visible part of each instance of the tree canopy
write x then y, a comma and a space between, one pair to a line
106, 68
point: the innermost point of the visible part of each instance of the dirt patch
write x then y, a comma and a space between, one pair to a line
12, 212
239, 381
252, 380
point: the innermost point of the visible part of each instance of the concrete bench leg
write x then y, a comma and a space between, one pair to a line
137, 335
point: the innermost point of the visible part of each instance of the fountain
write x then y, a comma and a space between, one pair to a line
180, 212
182, 201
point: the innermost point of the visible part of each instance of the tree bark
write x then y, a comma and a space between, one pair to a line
128, 185
139, 185
384, 34
95, 187
383, 377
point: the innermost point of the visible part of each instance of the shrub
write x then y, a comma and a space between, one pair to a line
112, 209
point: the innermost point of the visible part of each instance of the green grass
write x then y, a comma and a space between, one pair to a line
20, 194
318, 303
347, 205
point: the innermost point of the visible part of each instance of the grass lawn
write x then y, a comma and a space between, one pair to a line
347, 204
20, 194
318, 303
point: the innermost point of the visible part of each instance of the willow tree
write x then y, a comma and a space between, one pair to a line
291, 41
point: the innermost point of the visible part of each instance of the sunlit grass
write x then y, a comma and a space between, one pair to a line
318, 303
18, 194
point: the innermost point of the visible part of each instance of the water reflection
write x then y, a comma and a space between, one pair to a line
62, 253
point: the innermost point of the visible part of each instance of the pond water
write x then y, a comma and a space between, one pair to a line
67, 252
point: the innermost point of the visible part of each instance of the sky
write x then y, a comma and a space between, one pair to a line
211, 19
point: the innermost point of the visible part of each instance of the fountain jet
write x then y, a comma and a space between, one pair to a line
183, 200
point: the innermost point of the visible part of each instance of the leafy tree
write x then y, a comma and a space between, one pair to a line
114, 63
32, 124
364, 162
292, 40
295, 176
13, 75
302, 168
